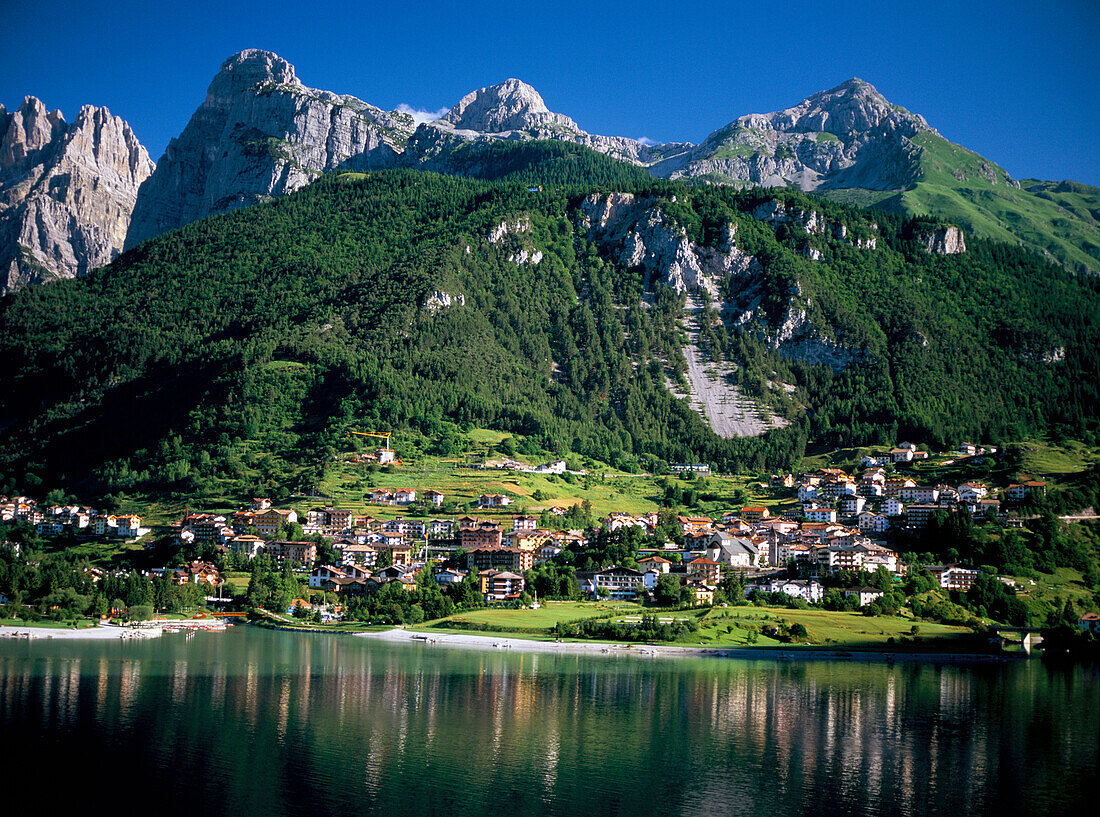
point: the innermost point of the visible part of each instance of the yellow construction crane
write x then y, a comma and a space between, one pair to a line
383, 436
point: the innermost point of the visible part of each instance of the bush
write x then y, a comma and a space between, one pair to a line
140, 612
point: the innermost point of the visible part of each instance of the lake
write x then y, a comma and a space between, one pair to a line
255, 722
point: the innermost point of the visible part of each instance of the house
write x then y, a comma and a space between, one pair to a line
380, 496
493, 501
440, 528
735, 551
260, 504
204, 573
807, 492
547, 552
555, 467
434, 497
953, 577
917, 516
268, 522
303, 553
851, 505
863, 595
128, 526
901, 455
893, 507
325, 573
686, 467
694, 524
872, 490
1019, 491
705, 569
807, 589
618, 582
498, 585
781, 481
485, 534
246, 545
524, 523
655, 563
967, 449
920, 494
818, 514
529, 539
983, 508
702, 595
356, 554
404, 496
499, 558
972, 492
895, 484
754, 515
386, 456
449, 576
357, 572
1089, 622
873, 523
778, 525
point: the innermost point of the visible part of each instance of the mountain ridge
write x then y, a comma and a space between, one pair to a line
260, 133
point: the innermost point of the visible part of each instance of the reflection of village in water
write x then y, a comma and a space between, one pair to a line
367, 719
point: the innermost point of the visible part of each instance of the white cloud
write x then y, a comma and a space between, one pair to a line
419, 116
645, 140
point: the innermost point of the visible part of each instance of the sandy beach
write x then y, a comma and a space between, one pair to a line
104, 631
109, 631
488, 641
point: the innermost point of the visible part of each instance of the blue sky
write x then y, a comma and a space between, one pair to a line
1014, 81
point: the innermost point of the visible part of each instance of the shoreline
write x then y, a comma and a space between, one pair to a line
105, 632
504, 643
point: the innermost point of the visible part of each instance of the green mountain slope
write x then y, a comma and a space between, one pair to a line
235, 354
1055, 220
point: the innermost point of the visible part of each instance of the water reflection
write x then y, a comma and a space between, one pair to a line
254, 722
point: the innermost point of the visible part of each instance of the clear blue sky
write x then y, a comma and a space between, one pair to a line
1014, 80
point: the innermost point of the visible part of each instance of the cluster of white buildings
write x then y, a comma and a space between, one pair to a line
880, 499
79, 520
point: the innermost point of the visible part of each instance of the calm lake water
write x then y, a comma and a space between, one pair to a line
253, 722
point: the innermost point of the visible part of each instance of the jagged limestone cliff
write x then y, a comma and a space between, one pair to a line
261, 133
849, 136
66, 191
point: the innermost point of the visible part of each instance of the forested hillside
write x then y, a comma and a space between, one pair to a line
249, 344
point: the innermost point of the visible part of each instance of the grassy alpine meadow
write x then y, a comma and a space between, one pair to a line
729, 627
548, 614
733, 626
605, 488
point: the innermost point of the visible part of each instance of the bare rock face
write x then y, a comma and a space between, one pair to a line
944, 241
511, 105
775, 213
849, 136
66, 191
516, 111
635, 232
261, 133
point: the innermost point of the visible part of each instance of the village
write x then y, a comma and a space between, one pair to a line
838, 533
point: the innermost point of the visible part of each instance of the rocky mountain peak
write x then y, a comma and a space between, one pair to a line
26, 131
66, 191
511, 105
247, 68
853, 107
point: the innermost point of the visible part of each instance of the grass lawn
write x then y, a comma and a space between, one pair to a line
45, 624
1053, 588
729, 627
549, 614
